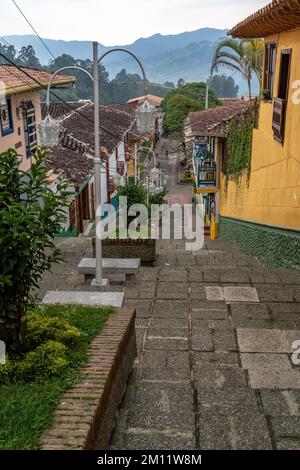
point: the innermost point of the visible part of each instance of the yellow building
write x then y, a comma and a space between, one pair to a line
262, 214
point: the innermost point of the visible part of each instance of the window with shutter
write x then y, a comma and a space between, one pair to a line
269, 69
280, 103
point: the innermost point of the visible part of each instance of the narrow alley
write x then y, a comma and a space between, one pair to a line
214, 332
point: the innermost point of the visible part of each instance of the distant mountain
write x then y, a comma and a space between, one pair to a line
157, 46
165, 57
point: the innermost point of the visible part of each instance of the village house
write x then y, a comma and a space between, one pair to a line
205, 134
71, 159
20, 108
262, 213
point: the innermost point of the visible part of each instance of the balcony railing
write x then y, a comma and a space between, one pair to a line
207, 175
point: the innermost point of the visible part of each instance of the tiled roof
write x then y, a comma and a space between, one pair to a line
214, 120
16, 81
152, 99
59, 109
230, 101
278, 16
77, 138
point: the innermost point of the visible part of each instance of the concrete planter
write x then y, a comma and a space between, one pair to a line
145, 249
85, 416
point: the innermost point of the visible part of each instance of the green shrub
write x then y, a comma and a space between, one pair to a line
6, 371
42, 328
30, 215
47, 360
157, 198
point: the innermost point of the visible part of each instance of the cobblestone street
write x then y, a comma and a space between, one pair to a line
214, 335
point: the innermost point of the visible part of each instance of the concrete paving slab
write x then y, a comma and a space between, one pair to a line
93, 299
139, 439
286, 426
214, 293
242, 432
228, 401
212, 376
265, 361
240, 294
280, 402
272, 341
274, 378
162, 407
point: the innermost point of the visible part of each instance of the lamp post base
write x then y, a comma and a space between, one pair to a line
100, 287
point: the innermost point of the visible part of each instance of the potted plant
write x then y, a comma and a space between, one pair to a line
266, 94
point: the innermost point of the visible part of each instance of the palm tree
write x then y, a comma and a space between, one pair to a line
242, 55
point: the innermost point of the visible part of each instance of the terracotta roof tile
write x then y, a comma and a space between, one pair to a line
152, 99
278, 16
16, 81
77, 138
212, 120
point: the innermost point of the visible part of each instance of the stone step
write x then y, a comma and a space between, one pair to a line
87, 266
90, 299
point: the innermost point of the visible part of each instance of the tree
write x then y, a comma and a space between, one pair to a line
181, 101
178, 108
242, 55
28, 58
9, 52
224, 87
180, 82
169, 84
30, 214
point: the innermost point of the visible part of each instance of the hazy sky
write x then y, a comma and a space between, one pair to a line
114, 22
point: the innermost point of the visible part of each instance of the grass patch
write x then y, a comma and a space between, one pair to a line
27, 408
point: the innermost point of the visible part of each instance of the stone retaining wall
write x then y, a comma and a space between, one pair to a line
276, 247
84, 419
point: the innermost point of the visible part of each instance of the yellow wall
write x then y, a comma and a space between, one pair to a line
273, 195
17, 136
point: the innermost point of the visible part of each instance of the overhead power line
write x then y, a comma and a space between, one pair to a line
24, 71
52, 55
33, 29
4, 41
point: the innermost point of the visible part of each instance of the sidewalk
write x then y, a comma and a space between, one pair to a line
214, 333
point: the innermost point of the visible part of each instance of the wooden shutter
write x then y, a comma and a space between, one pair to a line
278, 118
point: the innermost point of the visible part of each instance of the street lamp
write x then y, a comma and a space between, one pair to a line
49, 131
145, 117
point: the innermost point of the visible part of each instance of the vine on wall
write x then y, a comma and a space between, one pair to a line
239, 145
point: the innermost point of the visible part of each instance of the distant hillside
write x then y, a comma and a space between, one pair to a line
166, 58
166, 49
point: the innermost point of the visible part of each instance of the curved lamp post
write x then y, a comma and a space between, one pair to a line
49, 131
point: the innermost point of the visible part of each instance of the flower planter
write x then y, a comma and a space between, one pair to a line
145, 249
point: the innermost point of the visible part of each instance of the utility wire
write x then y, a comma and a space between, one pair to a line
4, 41
33, 29
52, 55
23, 70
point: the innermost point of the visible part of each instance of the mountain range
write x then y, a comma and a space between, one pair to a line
165, 57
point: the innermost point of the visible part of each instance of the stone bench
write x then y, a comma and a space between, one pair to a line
91, 299
127, 266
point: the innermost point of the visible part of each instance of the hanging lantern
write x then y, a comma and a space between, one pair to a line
49, 131
116, 180
145, 117
121, 168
